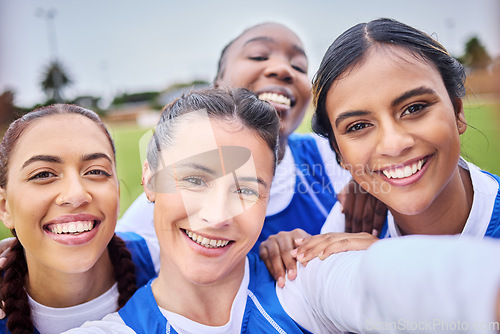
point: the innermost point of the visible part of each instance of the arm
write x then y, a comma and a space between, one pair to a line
363, 212
397, 284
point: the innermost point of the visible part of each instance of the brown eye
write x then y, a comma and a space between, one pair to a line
414, 108
98, 172
357, 127
259, 58
42, 175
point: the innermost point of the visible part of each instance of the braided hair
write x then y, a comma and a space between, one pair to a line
13, 277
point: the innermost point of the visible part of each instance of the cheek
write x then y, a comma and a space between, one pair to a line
168, 209
239, 74
305, 88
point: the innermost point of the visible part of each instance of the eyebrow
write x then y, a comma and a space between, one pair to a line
348, 114
272, 40
253, 179
58, 160
47, 158
95, 156
199, 167
411, 93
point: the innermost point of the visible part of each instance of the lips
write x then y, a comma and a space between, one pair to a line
407, 173
207, 242
404, 171
73, 229
277, 95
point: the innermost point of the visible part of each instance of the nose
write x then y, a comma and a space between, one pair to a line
280, 69
215, 208
394, 139
74, 192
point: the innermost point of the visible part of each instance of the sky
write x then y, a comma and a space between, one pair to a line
114, 46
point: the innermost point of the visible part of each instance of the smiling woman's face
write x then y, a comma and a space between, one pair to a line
210, 198
62, 193
269, 59
397, 130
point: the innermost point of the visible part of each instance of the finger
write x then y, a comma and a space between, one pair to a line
358, 212
368, 215
347, 244
314, 248
264, 255
341, 196
348, 206
379, 217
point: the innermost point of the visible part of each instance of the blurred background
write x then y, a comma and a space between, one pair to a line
126, 59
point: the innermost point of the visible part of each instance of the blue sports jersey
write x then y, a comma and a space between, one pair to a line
314, 195
263, 311
493, 230
144, 268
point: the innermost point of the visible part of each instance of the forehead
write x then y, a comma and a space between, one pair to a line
272, 33
58, 134
384, 71
196, 133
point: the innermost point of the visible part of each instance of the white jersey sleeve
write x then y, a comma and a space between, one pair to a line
424, 284
335, 222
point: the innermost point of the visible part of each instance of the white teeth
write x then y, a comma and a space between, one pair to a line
205, 242
403, 172
72, 227
277, 98
408, 171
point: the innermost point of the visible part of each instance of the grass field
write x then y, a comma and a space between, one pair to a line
480, 145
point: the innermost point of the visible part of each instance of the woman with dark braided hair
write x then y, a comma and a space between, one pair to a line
59, 195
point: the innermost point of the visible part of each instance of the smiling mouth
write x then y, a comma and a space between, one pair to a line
206, 242
406, 171
276, 98
73, 228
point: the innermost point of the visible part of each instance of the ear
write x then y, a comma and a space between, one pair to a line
460, 116
4, 210
147, 182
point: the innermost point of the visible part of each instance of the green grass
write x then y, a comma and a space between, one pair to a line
481, 141
128, 162
480, 145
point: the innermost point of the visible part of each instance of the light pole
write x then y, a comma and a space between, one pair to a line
55, 70
49, 16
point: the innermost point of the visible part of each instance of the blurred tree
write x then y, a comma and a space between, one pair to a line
475, 56
7, 109
54, 80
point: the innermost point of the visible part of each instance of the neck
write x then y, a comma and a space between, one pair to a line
58, 289
283, 142
447, 214
208, 303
